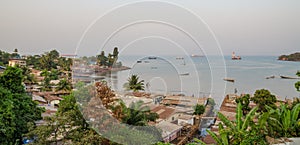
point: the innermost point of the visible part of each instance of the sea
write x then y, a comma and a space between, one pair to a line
203, 76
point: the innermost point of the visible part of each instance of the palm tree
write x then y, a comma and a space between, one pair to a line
64, 85
134, 84
136, 114
119, 110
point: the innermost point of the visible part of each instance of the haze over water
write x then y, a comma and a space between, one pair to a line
167, 75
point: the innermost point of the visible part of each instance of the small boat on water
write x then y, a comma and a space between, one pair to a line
229, 80
196, 55
233, 57
185, 74
270, 77
151, 57
286, 77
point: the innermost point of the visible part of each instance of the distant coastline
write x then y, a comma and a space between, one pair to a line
291, 57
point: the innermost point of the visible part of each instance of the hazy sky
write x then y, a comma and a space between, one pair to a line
248, 27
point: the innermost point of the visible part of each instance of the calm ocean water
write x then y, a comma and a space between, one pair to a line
203, 76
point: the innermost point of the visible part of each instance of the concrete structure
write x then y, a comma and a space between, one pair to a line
17, 61
169, 130
184, 101
2, 68
186, 119
39, 99
165, 113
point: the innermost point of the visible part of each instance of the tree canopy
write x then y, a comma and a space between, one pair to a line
17, 108
134, 84
264, 98
66, 126
199, 109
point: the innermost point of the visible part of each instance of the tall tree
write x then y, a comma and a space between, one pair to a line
28, 77
8, 117
134, 84
111, 60
66, 126
102, 59
116, 54
33, 61
64, 85
4, 57
23, 111
46, 86
49, 60
264, 98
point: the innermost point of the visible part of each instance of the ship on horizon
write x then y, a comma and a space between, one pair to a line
233, 57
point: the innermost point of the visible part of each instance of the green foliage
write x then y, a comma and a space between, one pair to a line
64, 85
102, 59
264, 98
284, 122
28, 77
242, 131
49, 60
297, 84
199, 109
135, 114
33, 61
65, 63
134, 84
138, 115
17, 108
83, 93
211, 101
4, 57
46, 86
244, 100
162, 143
67, 125
11, 79
110, 60
7, 117
291, 57
197, 142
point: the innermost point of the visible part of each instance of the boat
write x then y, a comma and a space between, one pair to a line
185, 74
233, 57
196, 55
229, 80
151, 57
270, 77
287, 77
139, 61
